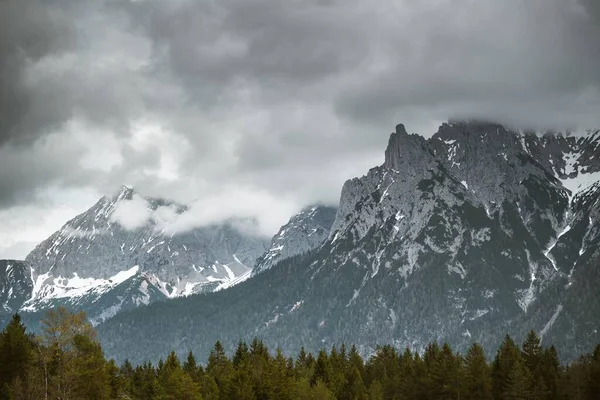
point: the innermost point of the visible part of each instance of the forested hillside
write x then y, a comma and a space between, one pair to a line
66, 362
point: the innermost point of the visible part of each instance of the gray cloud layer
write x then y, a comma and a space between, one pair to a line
29, 32
279, 100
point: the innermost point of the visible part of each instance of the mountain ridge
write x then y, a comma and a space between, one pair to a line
432, 251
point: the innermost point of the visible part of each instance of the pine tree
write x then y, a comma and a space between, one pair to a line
15, 352
444, 375
177, 385
337, 362
281, 376
593, 378
209, 388
302, 359
354, 386
116, 382
407, 373
241, 353
531, 352
507, 356
477, 384
322, 369
356, 361
517, 384
240, 386
549, 372
384, 366
144, 382
190, 367
320, 391
259, 362
126, 374
376, 391
88, 370
304, 365
219, 367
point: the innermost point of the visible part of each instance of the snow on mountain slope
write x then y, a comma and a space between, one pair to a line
574, 159
48, 288
305, 231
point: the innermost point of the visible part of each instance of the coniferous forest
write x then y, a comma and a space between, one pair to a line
66, 361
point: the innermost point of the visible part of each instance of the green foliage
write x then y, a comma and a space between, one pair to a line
67, 362
507, 357
15, 354
477, 379
89, 370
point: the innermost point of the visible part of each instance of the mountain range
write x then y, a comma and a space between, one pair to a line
472, 233
102, 265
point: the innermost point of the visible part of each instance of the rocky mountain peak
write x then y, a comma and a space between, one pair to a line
403, 149
304, 232
126, 192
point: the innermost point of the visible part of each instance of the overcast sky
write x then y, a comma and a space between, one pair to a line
259, 107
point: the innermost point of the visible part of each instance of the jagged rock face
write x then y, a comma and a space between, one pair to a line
482, 229
468, 224
304, 232
93, 254
15, 285
375, 197
462, 237
567, 312
493, 164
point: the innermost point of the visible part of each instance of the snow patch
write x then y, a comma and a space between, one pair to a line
580, 183
551, 321
47, 288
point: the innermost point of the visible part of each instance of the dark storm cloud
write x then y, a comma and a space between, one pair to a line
219, 42
29, 32
371, 66
503, 60
285, 98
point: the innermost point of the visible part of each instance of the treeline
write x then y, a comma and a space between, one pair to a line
66, 362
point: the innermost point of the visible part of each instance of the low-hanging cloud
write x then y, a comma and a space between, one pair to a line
256, 214
132, 214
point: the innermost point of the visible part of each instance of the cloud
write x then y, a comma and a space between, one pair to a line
132, 214
273, 102
535, 63
25, 226
248, 209
30, 32
257, 214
